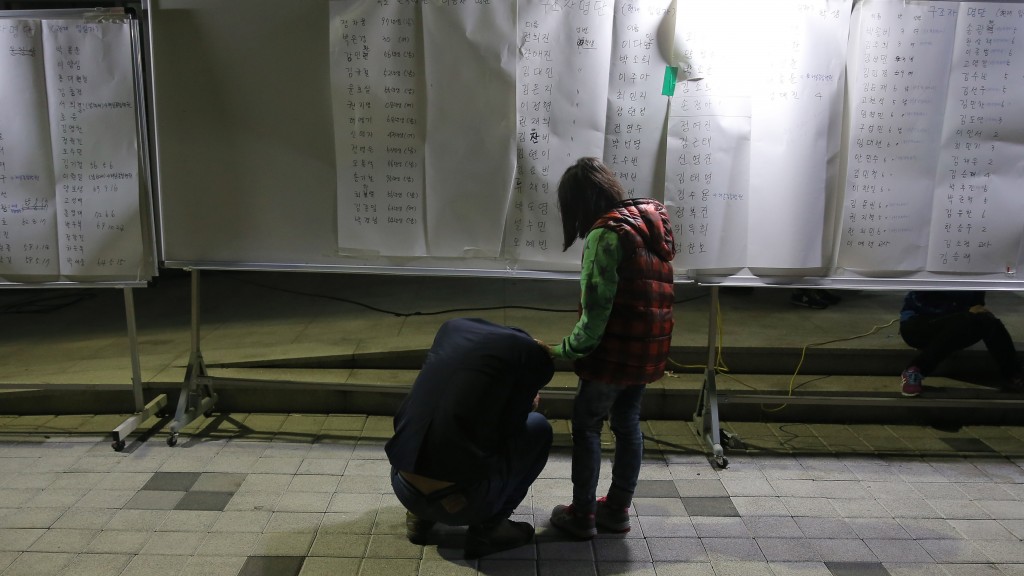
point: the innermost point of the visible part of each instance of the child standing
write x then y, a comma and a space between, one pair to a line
621, 340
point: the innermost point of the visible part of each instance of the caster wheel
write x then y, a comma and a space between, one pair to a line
172, 440
208, 413
117, 445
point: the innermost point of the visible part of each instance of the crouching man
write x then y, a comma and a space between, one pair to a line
468, 443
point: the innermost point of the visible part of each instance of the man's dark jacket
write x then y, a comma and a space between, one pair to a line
472, 395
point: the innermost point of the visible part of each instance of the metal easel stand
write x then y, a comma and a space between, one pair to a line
707, 403
197, 395
142, 413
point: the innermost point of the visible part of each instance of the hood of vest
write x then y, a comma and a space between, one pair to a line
648, 220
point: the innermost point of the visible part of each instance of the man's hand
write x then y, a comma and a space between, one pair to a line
549, 349
978, 309
536, 402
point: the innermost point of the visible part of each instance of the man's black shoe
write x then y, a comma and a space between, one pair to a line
484, 539
417, 529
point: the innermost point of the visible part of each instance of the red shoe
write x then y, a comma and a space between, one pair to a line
580, 526
611, 518
911, 382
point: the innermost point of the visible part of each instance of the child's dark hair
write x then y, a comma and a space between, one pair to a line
587, 190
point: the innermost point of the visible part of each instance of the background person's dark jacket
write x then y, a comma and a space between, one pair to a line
473, 393
939, 302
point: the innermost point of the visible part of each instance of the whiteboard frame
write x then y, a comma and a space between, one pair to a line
312, 250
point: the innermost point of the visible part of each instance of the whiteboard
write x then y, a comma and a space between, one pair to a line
74, 181
428, 137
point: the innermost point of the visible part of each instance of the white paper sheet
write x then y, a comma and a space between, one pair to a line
91, 96
899, 65
470, 145
564, 61
790, 65
801, 53
706, 185
377, 89
978, 208
635, 125
28, 200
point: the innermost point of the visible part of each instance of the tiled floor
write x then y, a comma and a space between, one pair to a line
300, 494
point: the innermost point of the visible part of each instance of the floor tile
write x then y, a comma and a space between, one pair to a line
173, 544
271, 566
787, 550
386, 567
969, 445
218, 482
719, 527
842, 550
118, 542
897, 551
211, 501
701, 488
659, 507
283, 544
856, 569
319, 566
788, 568
97, 564
172, 481
188, 521
628, 551
228, 544
336, 544
656, 489
709, 507
64, 540
677, 550
19, 539
212, 566
39, 563
154, 500
664, 526
825, 527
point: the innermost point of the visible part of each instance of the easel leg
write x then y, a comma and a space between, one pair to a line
142, 413
707, 403
197, 395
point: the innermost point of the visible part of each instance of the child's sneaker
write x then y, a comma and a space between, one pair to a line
580, 526
911, 378
611, 518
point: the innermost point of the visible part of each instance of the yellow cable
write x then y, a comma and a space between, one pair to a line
803, 354
722, 368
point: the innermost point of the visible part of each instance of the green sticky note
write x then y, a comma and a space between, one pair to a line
669, 86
